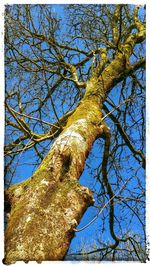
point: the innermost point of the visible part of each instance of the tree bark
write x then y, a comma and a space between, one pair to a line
47, 207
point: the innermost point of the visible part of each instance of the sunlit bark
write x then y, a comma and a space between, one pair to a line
45, 209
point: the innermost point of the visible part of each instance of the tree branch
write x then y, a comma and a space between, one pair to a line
126, 138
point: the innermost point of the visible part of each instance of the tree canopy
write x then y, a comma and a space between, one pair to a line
52, 54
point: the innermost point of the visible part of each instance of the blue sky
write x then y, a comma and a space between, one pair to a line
24, 170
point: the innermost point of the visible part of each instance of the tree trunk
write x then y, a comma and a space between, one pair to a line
46, 208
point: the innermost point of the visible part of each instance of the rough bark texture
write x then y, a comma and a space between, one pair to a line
46, 207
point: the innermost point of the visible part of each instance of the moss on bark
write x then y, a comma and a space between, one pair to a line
46, 207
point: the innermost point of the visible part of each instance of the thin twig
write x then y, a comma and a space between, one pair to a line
19, 160
36, 119
101, 210
50, 97
120, 104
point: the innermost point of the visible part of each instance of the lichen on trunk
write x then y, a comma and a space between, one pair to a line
48, 206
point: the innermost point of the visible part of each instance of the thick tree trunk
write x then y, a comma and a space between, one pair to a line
47, 207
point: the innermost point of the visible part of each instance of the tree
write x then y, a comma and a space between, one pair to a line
64, 77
